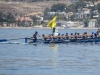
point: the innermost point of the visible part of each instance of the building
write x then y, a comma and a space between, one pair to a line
92, 23
84, 13
71, 24
24, 21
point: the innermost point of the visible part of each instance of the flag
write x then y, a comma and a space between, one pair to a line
52, 23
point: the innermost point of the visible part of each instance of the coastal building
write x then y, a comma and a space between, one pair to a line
80, 24
82, 13
70, 24
53, 13
96, 16
69, 14
24, 21
5, 24
89, 4
92, 23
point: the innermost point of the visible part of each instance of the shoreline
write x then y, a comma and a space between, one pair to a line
43, 28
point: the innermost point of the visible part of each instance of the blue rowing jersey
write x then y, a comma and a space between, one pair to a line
95, 34
35, 35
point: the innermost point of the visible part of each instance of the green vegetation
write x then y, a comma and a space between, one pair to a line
60, 7
74, 7
86, 21
9, 18
98, 7
6, 17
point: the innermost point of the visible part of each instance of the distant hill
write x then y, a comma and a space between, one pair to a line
24, 8
36, 0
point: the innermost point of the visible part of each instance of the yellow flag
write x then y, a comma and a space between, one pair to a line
52, 23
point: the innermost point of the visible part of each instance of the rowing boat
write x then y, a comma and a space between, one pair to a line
32, 40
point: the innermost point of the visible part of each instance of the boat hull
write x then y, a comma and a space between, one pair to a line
32, 40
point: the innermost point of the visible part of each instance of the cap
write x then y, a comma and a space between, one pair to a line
36, 32
66, 33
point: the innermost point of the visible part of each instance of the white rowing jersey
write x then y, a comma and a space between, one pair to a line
55, 34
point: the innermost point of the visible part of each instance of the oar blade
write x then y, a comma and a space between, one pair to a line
3, 40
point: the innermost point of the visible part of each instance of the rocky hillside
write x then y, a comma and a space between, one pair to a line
23, 8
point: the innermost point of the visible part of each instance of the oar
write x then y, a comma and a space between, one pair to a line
4, 40
15, 39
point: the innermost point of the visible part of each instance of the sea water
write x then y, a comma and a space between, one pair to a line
18, 58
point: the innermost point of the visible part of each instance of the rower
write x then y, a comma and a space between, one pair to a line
59, 37
46, 37
72, 36
98, 33
79, 36
51, 37
66, 35
92, 35
35, 36
86, 35
83, 36
75, 35
95, 34
63, 37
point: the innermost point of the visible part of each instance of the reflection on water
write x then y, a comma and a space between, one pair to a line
50, 59
54, 48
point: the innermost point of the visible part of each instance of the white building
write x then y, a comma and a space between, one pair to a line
71, 24
53, 13
92, 23
84, 13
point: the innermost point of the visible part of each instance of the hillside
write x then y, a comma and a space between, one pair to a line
23, 8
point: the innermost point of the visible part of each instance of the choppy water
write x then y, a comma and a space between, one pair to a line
47, 59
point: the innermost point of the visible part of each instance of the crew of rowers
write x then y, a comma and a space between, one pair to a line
73, 36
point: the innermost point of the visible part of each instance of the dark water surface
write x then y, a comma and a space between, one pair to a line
47, 59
